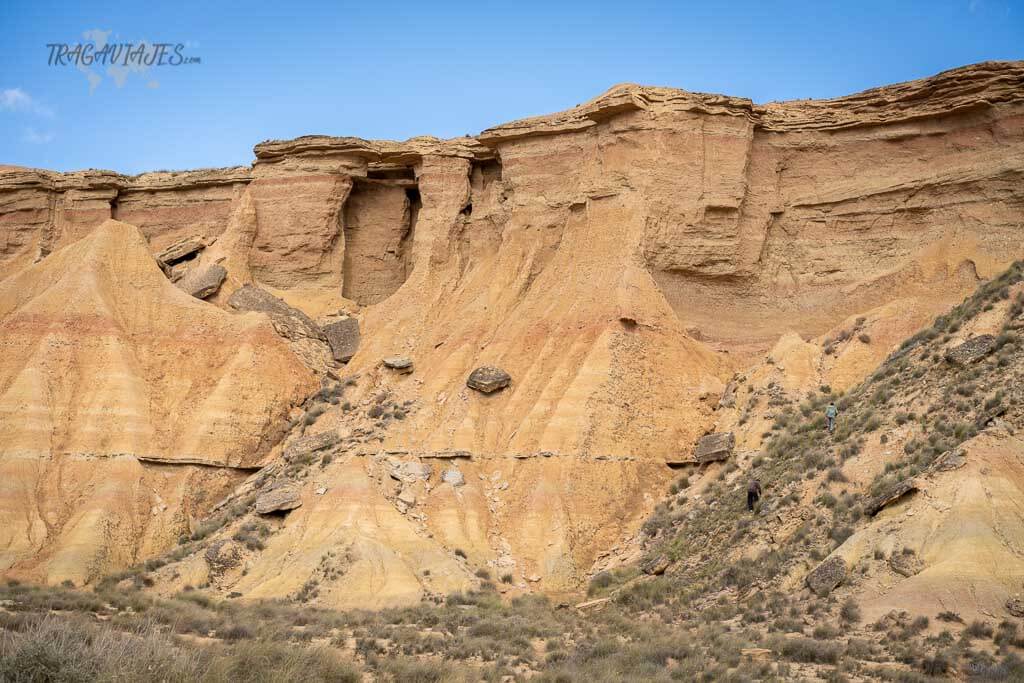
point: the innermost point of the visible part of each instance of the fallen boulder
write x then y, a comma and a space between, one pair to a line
1015, 606
402, 364
280, 499
972, 350
714, 447
343, 338
409, 471
890, 496
289, 321
203, 283
488, 379
180, 250
827, 575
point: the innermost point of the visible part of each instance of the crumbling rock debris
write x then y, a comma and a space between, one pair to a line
453, 476
714, 447
655, 565
1015, 606
488, 379
824, 578
180, 250
289, 321
343, 338
279, 499
402, 364
409, 471
203, 283
972, 350
890, 496
950, 460
312, 443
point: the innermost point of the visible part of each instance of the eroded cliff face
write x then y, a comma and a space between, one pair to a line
621, 261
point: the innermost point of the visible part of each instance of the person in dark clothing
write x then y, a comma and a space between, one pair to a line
753, 494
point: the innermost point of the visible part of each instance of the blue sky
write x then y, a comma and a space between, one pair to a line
398, 69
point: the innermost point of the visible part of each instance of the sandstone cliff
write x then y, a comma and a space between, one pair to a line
621, 261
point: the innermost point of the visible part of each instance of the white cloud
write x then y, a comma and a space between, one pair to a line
35, 137
16, 99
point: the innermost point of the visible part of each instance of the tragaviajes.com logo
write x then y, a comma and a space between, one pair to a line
98, 55
123, 54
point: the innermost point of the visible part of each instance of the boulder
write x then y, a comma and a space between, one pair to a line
203, 283
1015, 606
289, 321
488, 379
343, 338
972, 350
402, 364
714, 447
453, 476
410, 471
279, 499
312, 443
827, 575
890, 496
180, 250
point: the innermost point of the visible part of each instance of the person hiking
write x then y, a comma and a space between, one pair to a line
753, 494
830, 415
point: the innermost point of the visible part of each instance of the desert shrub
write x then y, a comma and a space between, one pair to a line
948, 616
599, 582
864, 338
807, 650
836, 475
850, 611
978, 629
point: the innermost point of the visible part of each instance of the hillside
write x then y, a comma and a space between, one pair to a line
470, 384
916, 492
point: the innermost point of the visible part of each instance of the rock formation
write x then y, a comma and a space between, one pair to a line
623, 261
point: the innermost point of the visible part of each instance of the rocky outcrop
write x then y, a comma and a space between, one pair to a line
180, 250
890, 496
312, 443
281, 498
972, 350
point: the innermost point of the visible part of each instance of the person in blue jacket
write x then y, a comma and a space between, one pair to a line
830, 414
